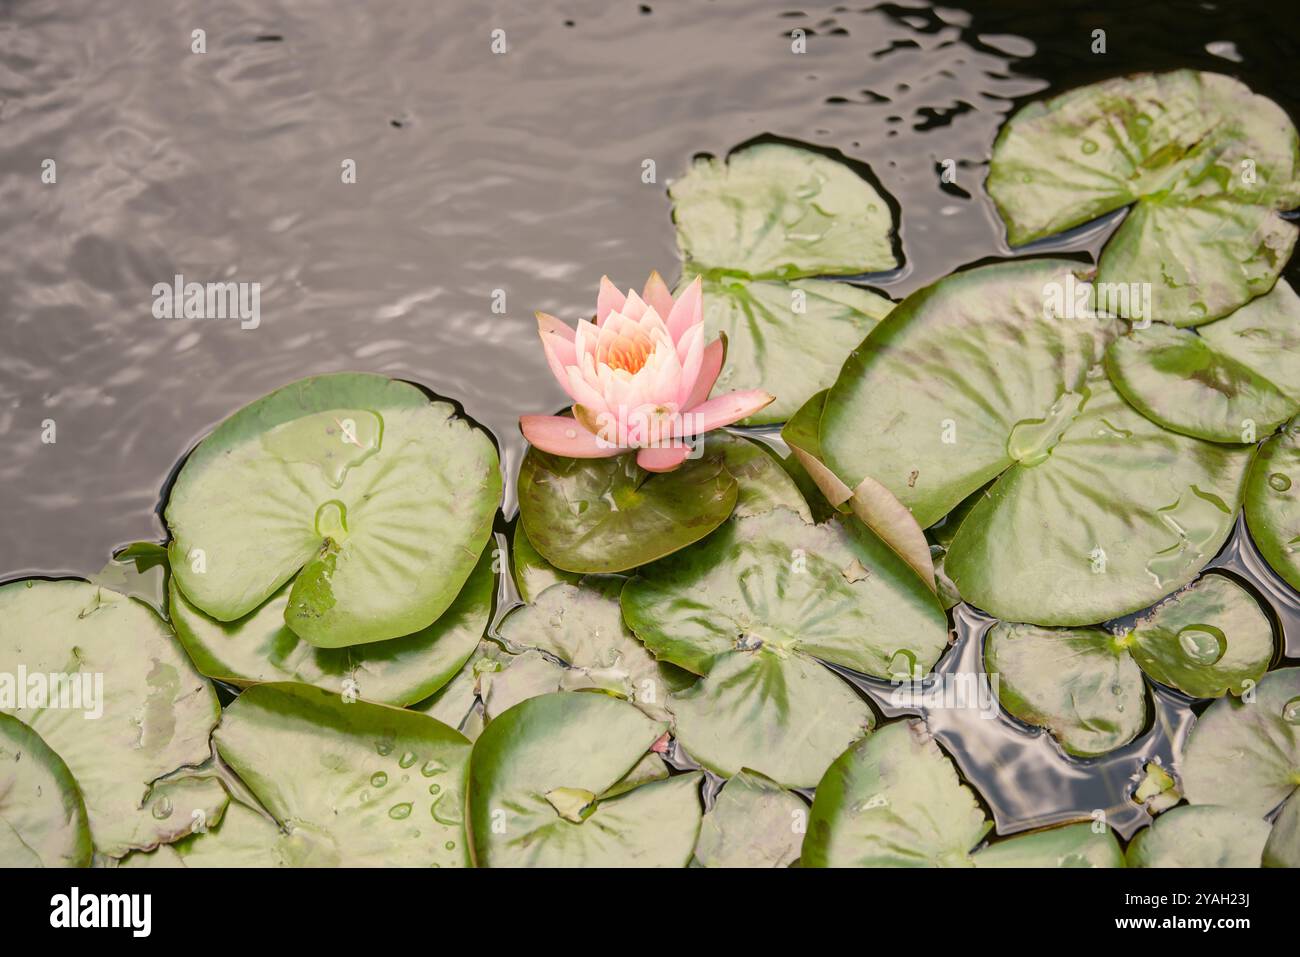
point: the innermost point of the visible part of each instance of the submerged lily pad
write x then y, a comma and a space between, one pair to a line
1230, 381
1207, 163
260, 647
1273, 503
373, 500
1203, 836
790, 338
582, 626
771, 211
894, 800
1207, 640
971, 380
540, 780
42, 814
533, 574
609, 515
753, 823
354, 784
1080, 684
1245, 753
131, 708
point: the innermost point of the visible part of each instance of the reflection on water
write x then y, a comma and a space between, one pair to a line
487, 185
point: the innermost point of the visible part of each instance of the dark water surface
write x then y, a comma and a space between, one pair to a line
477, 172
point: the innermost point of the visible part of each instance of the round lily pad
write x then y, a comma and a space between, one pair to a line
260, 647
1209, 639
1273, 502
972, 380
1080, 684
130, 706
772, 211
1203, 836
540, 779
353, 784
1245, 753
1207, 162
790, 338
894, 800
373, 500
609, 515
42, 814
753, 823
1177, 379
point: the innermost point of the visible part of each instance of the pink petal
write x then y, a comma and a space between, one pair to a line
690, 352
549, 324
657, 295
662, 458
560, 435
724, 410
710, 365
556, 349
688, 310
635, 306
608, 300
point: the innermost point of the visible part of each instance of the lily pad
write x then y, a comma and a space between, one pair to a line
243, 838
609, 515
1207, 640
373, 500
260, 647
354, 784
753, 823
1207, 163
533, 573
540, 774
1204, 836
42, 814
972, 380
1283, 847
137, 710
772, 211
1080, 684
582, 626
1273, 503
1228, 382
764, 482
1245, 753
790, 338
518, 678
832, 591
894, 800
454, 702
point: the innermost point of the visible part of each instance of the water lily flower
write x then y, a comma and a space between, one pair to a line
640, 378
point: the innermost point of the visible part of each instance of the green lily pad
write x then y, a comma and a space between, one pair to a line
1273, 503
454, 702
1283, 847
1205, 641
1207, 163
764, 482
753, 823
771, 709
243, 838
140, 570
1080, 684
1069, 845
609, 515
582, 626
1204, 836
144, 711
771, 211
373, 500
1229, 381
533, 574
894, 800
833, 591
260, 647
540, 774
790, 338
940, 537
1245, 753
354, 784
42, 814
519, 677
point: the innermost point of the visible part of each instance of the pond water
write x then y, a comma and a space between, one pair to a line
488, 185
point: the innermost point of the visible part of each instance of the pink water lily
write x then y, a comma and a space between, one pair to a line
640, 378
